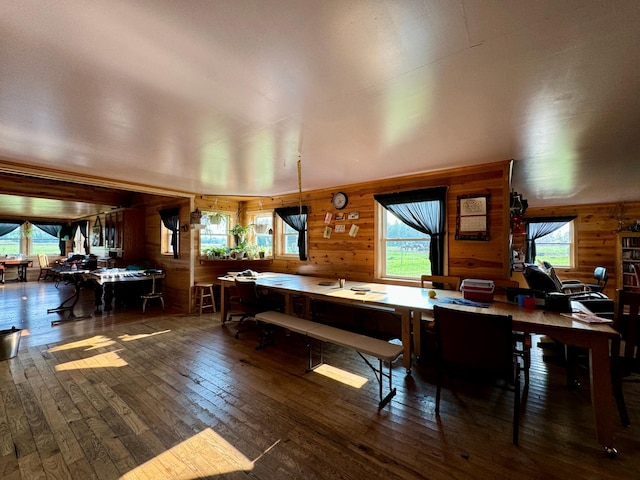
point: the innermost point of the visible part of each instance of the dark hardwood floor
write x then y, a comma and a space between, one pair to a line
169, 396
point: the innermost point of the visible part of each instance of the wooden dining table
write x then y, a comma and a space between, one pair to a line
20, 265
411, 304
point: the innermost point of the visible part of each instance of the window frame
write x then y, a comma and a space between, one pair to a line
280, 239
380, 263
254, 235
165, 240
227, 235
572, 245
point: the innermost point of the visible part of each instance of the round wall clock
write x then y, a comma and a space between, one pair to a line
339, 200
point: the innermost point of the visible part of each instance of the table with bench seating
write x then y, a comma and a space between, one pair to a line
410, 304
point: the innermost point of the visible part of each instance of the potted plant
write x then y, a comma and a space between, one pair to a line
251, 250
240, 233
215, 218
261, 252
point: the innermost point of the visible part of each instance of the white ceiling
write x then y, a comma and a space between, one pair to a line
219, 97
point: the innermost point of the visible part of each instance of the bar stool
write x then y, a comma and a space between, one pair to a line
203, 291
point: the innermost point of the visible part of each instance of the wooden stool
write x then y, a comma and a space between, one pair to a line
201, 292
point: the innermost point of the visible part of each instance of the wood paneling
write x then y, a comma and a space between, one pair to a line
177, 282
342, 255
595, 233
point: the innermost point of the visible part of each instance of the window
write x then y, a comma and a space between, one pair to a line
263, 228
44, 243
556, 247
289, 240
404, 251
411, 229
215, 233
10, 243
292, 231
165, 240
552, 238
286, 239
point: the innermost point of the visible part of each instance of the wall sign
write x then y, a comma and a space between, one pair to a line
472, 221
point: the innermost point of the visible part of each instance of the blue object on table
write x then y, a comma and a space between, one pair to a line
464, 301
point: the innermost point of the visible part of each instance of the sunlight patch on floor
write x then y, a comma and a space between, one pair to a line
102, 360
91, 343
342, 376
128, 338
206, 454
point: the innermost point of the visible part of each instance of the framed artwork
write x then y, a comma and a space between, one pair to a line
472, 221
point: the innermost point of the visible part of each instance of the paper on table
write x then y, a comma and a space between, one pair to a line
587, 317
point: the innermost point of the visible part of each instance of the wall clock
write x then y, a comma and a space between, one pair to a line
339, 200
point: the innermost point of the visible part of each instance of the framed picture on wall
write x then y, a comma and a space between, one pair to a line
472, 220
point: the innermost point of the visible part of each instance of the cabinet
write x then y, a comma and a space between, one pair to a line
124, 234
627, 254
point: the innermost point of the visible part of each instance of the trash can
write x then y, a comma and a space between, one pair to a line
9, 343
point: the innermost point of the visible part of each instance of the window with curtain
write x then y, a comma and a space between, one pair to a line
171, 223
550, 239
54, 230
10, 238
412, 233
293, 234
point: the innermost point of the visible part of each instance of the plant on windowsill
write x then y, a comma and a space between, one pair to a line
213, 253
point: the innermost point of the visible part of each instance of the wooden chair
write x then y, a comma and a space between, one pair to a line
479, 344
522, 341
624, 355
444, 282
45, 268
636, 270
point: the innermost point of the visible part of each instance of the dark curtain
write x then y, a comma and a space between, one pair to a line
296, 218
539, 227
55, 230
425, 211
171, 220
8, 227
84, 231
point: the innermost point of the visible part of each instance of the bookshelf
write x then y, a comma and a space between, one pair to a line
627, 254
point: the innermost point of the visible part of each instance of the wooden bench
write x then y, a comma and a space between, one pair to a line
364, 345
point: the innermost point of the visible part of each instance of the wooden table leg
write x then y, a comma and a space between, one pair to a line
405, 315
417, 334
602, 394
223, 302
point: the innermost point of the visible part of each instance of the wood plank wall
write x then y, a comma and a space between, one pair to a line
596, 226
176, 285
354, 258
349, 257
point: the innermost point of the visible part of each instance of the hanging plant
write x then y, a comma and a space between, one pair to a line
260, 227
215, 218
27, 228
